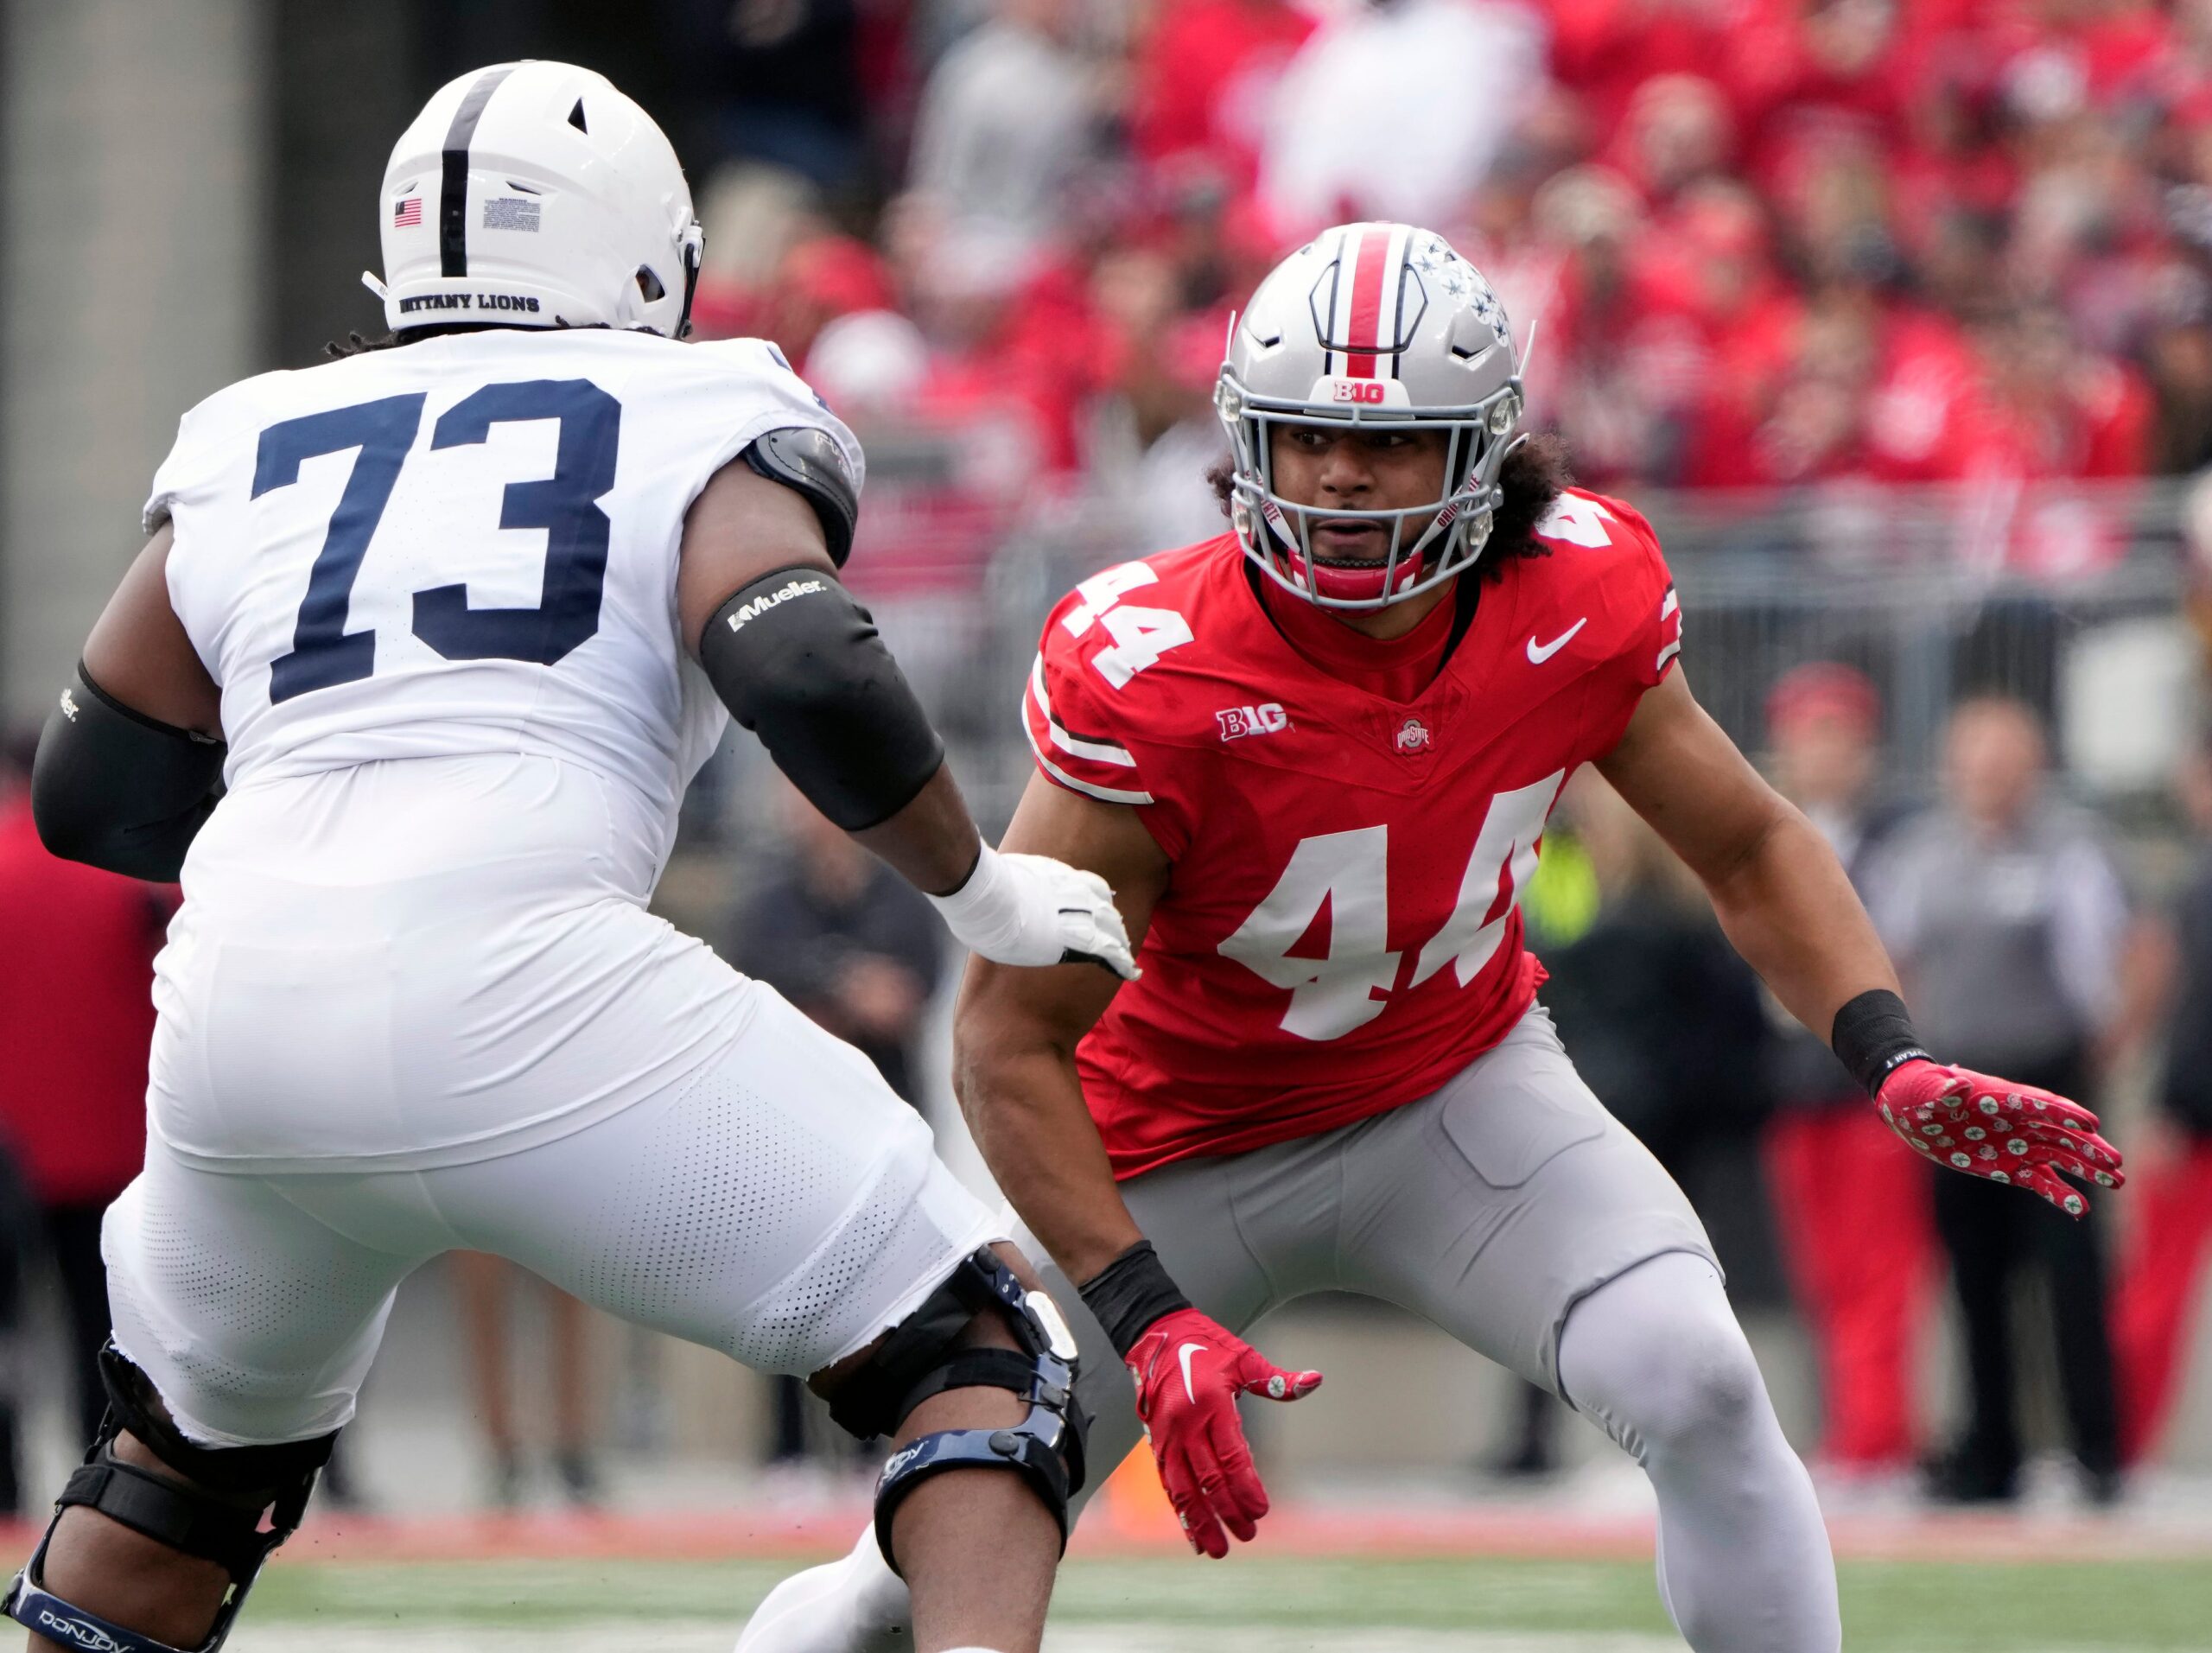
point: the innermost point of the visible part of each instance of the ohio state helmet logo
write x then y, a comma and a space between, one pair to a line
1413, 735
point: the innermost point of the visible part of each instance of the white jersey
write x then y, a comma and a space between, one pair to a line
437, 587
467, 546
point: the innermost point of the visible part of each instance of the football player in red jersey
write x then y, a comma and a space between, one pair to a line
1314, 757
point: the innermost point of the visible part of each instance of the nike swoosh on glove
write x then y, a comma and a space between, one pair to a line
1189, 1371
1994, 1129
1017, 909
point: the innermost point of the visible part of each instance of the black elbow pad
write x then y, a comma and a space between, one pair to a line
799, 664
119, 791
810, 460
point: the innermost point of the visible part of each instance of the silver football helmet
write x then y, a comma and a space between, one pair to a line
1371, 324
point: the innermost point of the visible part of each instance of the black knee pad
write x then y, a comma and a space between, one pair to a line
218, 1518
918, 1360
236, 1472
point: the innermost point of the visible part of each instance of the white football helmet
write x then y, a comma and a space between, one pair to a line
1371, 324
536, 194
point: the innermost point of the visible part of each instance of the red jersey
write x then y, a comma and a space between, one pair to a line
1341, 932
76, 1016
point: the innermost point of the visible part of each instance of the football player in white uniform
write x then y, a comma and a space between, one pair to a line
454, 623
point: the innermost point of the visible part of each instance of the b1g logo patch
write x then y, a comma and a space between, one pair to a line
1236, 722
1359, 390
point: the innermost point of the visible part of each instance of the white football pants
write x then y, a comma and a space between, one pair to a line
780, 1205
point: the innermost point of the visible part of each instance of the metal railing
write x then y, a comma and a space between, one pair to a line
2068, 596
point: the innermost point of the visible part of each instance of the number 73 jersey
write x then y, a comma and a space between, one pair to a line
468, 546
1340, 932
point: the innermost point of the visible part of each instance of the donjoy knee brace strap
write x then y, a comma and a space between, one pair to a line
918, 1360
215, 1515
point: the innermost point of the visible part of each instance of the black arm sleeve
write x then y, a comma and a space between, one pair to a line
119, 791
799, 664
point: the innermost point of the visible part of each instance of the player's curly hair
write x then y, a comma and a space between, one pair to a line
1535, 473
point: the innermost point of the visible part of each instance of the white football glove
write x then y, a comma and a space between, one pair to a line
1033, 910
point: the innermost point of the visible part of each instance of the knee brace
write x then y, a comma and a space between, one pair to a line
918, 1360
217, 1517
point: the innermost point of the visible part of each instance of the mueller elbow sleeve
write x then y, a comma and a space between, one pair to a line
799, 664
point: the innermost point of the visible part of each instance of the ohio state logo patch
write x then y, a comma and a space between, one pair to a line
1413, 735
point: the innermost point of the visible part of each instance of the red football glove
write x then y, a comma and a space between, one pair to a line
1995, 1129
1189, 1371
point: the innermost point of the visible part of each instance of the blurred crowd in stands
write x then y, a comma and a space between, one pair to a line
1760, 242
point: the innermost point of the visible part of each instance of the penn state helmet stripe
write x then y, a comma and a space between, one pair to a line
453, 198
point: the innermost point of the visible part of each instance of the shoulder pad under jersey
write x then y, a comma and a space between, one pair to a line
809, 459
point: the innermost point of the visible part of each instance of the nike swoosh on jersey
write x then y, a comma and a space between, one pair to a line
1184, 1355
1539, 653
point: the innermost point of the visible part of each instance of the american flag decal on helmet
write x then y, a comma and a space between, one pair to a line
407, 214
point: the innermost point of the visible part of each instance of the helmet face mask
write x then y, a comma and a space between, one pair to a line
1370, 325
536, 194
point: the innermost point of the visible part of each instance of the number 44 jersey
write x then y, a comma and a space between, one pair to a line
467, 547
1340, 933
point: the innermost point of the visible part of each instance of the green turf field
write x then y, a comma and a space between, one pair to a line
1329, 1606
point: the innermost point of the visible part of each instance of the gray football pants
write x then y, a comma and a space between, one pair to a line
1490, 1208
1511, 1210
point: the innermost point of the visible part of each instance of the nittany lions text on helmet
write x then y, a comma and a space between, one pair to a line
536, 194
1372, 324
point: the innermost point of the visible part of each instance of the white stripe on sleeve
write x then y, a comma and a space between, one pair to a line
1096, 751
1103, 794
